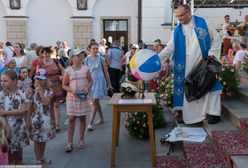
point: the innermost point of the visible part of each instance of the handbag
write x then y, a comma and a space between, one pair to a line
202, 78
81, 94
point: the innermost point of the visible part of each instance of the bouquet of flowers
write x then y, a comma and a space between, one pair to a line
165, 91
229, 79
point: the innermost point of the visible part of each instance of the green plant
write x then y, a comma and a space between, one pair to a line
245, 63
137, 123
165, 91
229, 79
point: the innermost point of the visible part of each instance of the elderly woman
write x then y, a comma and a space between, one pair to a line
54, 70
240, 53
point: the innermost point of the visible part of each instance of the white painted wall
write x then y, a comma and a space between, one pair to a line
49, 21
153, 15
2, 23
113, 8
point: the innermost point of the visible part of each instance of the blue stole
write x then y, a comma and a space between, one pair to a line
179, 57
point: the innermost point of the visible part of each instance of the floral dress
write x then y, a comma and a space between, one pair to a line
42, 129
19, 136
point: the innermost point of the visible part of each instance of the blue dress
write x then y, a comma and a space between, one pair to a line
99, 88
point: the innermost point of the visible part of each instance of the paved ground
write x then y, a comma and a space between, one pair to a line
131, 153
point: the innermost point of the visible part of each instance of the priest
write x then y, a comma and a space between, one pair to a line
192, 39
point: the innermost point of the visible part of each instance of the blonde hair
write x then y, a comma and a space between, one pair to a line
48, 84
3, 138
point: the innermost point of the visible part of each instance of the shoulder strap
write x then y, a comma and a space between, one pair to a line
57, 63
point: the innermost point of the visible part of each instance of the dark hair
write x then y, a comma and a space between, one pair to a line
38, 49
22, 51
92, 44
11, 74
8, 43
157, 41
46, 49
227, 16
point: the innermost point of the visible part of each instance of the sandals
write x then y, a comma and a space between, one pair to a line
81, 145
44, 161
68, 148
98, 122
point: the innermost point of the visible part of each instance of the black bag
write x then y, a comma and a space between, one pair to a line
202, 78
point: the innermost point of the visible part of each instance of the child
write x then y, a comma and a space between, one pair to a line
25, 84
12, 109
3, 146
42, 129
77, 78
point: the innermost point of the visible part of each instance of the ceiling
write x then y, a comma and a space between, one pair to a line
215, 3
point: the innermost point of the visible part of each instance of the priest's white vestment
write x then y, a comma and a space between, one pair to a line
196, 111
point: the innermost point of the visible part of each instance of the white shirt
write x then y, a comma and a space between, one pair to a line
8, 52
239, 56
224, 30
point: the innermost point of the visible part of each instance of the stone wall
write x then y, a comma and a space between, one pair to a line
82, 33
17, 31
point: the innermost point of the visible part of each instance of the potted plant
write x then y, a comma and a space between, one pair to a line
165, 91
229, 79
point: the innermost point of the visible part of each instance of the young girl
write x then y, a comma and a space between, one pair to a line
3, 146
12, 109
99, 74
42, 130
25, 84
77, 78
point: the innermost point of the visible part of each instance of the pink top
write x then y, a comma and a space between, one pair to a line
4, 160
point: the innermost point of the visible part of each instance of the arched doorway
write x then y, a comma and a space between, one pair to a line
2, 23
49, 21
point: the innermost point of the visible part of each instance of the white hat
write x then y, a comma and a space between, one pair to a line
74, 52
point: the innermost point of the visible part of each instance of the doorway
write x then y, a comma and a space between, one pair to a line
116, 29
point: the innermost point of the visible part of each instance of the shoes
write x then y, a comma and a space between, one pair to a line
57, 129
68, 148
90, 127
45, 161
66, 122
98, 122
213, 119
81, 145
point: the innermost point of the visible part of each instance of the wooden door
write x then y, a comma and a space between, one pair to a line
116, 30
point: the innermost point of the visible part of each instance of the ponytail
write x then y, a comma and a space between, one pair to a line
3, 141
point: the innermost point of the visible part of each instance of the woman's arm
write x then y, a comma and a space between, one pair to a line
16, 112
46, 100
105, 71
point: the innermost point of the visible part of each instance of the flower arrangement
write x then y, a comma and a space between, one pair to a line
165, 91
245, 63
137, 123
229, 79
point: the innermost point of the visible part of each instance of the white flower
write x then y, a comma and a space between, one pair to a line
135, 128
224, 83
232, 70
128, 124
144, 125
138, 122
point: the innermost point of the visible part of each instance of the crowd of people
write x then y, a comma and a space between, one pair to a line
35, 81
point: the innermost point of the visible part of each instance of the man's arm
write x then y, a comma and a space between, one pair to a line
215, 42
168, 50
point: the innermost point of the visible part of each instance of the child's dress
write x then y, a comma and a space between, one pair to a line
25, 85
19, 137
99, 88
78, 80
42, 129
3, 157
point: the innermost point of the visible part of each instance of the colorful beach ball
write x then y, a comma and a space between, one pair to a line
145, 64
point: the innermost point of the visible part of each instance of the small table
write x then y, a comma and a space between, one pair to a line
131, 105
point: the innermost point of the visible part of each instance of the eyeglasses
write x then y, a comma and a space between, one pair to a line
179, 16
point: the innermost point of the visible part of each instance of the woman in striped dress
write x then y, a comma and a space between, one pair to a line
77, 81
